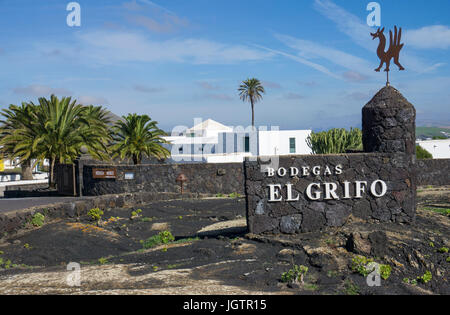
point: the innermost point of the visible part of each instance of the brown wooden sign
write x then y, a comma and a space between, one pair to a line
104, 173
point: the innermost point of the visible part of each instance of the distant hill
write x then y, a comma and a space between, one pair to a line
430, 132
113, 118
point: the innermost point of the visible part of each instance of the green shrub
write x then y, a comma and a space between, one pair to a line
359, 265
443, 250
234, 195
136, 213
95, 214
296, 274
164, 237
426, 277
385, 271
102, 260
422, 154
351, 288
38, 219
335, 141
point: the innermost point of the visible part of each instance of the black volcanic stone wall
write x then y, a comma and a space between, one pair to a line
433, 172
305, 215
388, 122
202, 178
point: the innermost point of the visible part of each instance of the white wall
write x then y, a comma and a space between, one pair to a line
277, 142
440, 149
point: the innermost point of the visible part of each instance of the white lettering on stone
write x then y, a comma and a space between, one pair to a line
317, 194
274, 194
282, 172
360, 189
373, 188
330, 191
294, 171
289, 194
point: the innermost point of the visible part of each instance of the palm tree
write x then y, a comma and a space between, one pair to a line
251, 90
64, 127
138, 136
18, 136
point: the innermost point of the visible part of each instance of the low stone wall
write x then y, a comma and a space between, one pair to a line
434, 172
13, 221
202, 178
26, 190
310, 193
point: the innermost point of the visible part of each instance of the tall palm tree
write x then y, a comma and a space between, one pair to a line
18, 136
64, 127
138, 136
251, 90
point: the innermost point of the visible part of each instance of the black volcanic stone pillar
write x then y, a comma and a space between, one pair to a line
389, 123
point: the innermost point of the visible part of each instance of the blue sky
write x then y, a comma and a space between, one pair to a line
177, 60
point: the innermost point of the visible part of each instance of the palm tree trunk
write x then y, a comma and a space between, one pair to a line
51, 175
253, 113
27, 171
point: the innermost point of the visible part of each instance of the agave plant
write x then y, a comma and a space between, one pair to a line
136, 137
335, 141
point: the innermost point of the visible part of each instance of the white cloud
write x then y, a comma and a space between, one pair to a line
429, 37
311, 50
108, 47
147, 89
92, 100
40, 91
347, 23
358, 31
304, 61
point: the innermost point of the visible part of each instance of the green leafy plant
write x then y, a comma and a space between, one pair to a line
359, 265
138, 136
426, 277
335, 141
431, 244
234, 195
220, 195
448, 259
443, 250
294, 275
422, 154
136, 213
351, 288
38, 219
103, 260
27, 246
164, 237
95, 214
385, 271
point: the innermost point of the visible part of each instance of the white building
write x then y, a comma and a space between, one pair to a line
213, 142
440, 149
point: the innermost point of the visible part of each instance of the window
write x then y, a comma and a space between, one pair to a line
292, 145
247, 144
192, 135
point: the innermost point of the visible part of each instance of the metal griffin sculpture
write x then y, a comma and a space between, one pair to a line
393, 52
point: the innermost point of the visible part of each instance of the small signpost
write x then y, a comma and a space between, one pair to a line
104, 173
